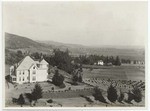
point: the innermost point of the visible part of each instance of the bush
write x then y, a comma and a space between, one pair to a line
57, 79
21, 100
137, 94
112, 94
98, 95
130, 97
121, 97
29, 96
37, 92
62, 85
50, 101
80, 79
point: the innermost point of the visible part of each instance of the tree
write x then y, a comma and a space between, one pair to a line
112, 93
117, 61
19, 53
137, 94
80, 78
58, 79
21, 100
98, 95
37, 92
63, 60
75, 78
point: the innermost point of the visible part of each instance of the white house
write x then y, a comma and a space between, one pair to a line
100, 62
28, 71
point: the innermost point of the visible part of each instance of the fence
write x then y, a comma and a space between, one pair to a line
68, 93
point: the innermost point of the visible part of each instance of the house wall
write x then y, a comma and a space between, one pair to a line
33, 74
22, 76
42, 75
38, 75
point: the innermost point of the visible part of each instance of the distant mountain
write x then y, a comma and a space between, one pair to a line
15, 42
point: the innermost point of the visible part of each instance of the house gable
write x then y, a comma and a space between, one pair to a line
26, 63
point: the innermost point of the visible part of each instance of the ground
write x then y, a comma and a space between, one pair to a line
125, 76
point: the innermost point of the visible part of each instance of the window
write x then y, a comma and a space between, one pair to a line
14, 79
23, 72
23, 79
33, 78
19, 72
34, 72
34, 67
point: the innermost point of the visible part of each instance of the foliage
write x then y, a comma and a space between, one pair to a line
91, 59
8, 78
121, 97
77, 75
117, 61
36, 55
13, 57
61, 59
80, 78
21, 100
57, 79
37, 92
29, 96
112, 94
130, 97
98, 95
50, 101
137, 94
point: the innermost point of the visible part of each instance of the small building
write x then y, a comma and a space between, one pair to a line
100, 62
29, 70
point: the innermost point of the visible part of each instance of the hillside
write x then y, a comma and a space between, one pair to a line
15, 42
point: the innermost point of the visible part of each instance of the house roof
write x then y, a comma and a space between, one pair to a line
43, 62
26, 63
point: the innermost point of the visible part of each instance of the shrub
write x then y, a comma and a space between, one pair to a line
50, 101
121, 97
57, 79
37, 92
29, 96
21, 100
62, 85
130, 97
112, 94
137, 94
98, 95
80, 79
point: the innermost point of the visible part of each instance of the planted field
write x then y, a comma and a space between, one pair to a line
116, 73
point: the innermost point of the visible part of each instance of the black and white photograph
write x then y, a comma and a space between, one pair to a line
74, 54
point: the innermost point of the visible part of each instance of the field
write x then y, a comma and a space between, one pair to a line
124, 72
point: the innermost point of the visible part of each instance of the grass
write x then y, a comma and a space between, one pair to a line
117, 72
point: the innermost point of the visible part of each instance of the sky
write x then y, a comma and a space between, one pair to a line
87, 23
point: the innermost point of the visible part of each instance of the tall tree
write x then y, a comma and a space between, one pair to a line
58, 79
117, 61
37, 92
112, 93
137, 94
